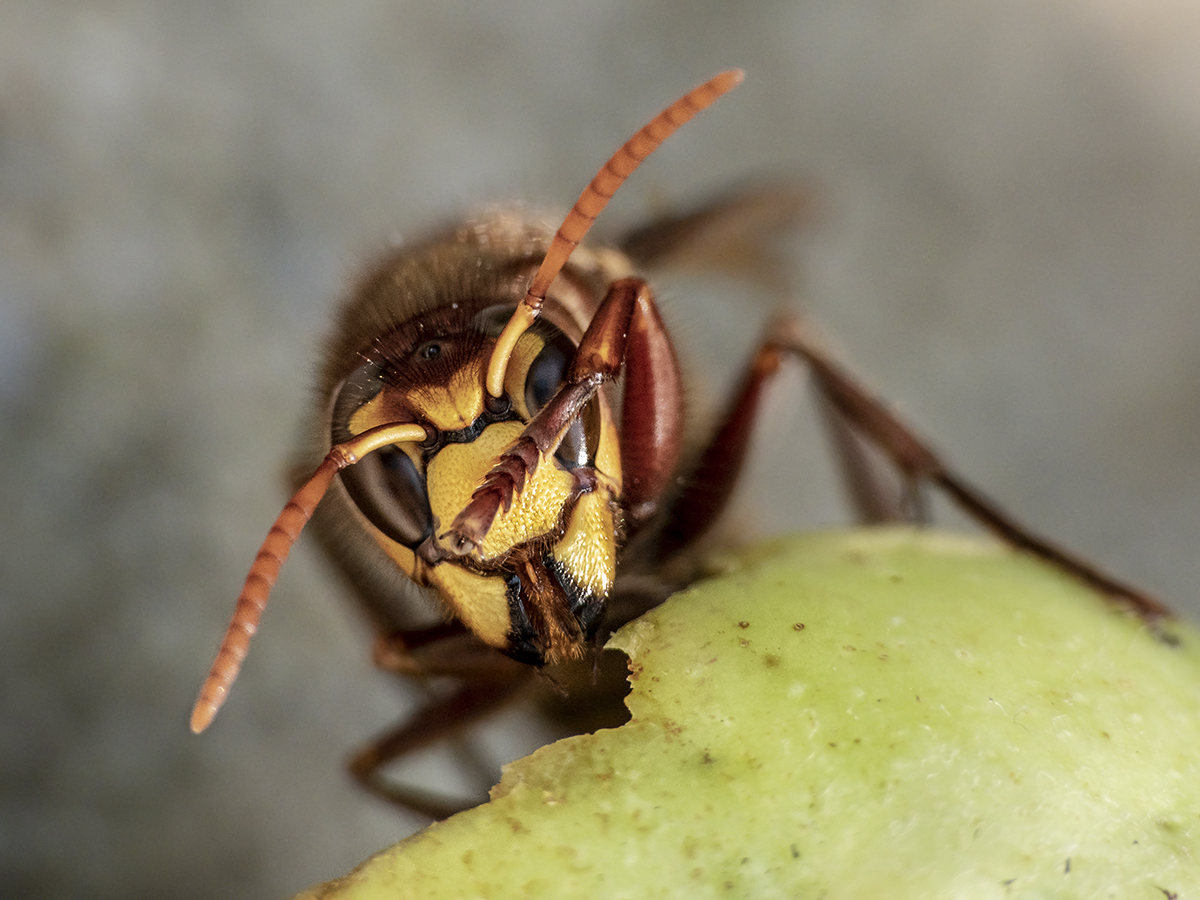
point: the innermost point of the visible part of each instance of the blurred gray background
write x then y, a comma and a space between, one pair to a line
1008, 245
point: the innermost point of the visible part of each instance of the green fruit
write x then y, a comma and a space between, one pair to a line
866, 714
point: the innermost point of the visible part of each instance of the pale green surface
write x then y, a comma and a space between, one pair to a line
953, 720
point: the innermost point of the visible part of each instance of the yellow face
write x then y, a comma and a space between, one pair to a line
535, 582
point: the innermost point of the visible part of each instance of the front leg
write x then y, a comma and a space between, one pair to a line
916, 461
443, 718
857, 416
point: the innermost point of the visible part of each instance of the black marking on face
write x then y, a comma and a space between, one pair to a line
524, 643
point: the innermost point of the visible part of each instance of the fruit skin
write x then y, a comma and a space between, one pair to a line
880, 713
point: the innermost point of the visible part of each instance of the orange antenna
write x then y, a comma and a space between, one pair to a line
590, 204
271, 556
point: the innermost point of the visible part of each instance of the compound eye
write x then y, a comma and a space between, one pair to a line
360, 388
385, 485
391, 493
542, 381
546, 373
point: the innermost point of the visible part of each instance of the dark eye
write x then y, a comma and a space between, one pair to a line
386, 485
354, 393
390, 492
544, 378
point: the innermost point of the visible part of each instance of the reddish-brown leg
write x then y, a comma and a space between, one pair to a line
917, 462
480, 681
443, 649
871, 487
442, 718
457, 679
708, 485
858, 416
